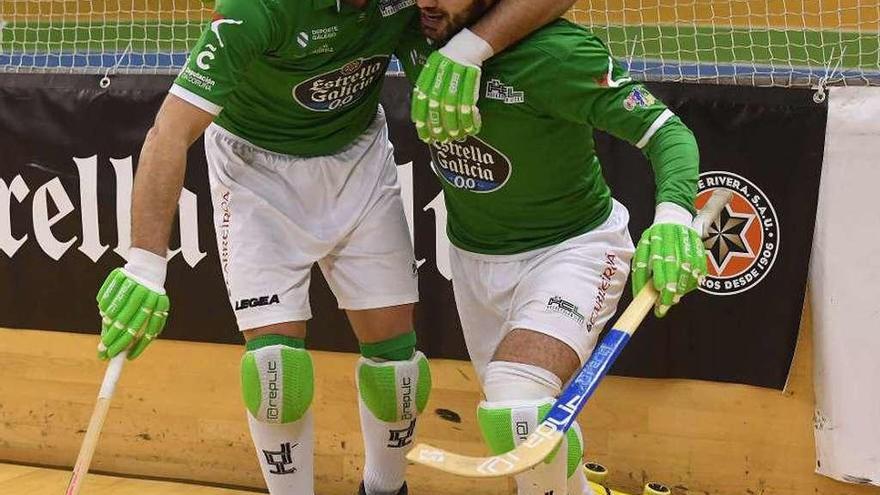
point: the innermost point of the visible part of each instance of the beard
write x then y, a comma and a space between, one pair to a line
440, 25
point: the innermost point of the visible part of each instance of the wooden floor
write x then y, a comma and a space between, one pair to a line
177, 414
27, 480
20, 479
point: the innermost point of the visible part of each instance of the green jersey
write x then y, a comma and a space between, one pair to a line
299, 77
531, 177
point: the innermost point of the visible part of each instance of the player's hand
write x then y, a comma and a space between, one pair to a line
444, 104
133, 305
672, 252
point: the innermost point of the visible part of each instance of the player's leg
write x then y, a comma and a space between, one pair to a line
535, 354
392, 376
394, 382
277, 383
521, 383
517, 393
265, 263
372, 273
563, 297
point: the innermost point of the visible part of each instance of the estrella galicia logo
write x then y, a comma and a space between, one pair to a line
743, 241
281, 460
471, 165
253, 302
343, 87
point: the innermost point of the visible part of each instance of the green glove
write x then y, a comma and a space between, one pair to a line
672, 253
133, 305
444, 105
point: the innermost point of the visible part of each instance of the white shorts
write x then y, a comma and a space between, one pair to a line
567, 291
276, 215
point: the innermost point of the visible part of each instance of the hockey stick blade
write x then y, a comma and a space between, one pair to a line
550, 432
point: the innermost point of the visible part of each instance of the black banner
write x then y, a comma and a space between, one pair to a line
69, 149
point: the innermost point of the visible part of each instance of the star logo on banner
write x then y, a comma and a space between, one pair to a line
743, 242
726, 238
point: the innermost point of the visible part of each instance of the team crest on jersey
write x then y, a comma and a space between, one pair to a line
391, 7
343, 87
639, 97
471, 165
497, 90
744, 241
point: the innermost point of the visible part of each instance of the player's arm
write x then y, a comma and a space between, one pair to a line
512, 20
670, 250
132, 302
445, 98
592, 88
160, 172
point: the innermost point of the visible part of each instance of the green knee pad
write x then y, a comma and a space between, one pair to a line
575, 449
503, 424
277, 379
394, 390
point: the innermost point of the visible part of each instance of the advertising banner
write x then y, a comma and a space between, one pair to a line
70, 149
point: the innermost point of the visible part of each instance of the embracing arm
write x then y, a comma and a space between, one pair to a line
160, 173
511, 20
451, 76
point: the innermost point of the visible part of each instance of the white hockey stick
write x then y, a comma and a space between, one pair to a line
96, 423
538, 445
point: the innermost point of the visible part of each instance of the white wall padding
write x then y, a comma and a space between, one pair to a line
845, 281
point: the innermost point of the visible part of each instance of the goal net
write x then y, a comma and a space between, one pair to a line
786, 43
750, 42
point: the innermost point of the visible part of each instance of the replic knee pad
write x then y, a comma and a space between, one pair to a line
394, 390
506, 424
277, 379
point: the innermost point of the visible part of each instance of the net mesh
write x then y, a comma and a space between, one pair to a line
98, 36
784, 43
769, 42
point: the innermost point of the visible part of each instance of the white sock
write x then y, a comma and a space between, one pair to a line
384, 466
286, 454
387, 443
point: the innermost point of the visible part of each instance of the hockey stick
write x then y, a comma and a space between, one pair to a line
90, 441
540, 443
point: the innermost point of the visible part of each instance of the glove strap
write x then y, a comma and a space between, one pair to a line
668, 212
467, 48
147, 268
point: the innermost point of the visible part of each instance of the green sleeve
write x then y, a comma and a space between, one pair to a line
590, 87
593, 89
675, 158
413, 50
240, 31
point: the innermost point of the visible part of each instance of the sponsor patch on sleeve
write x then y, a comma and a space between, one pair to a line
639, 97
